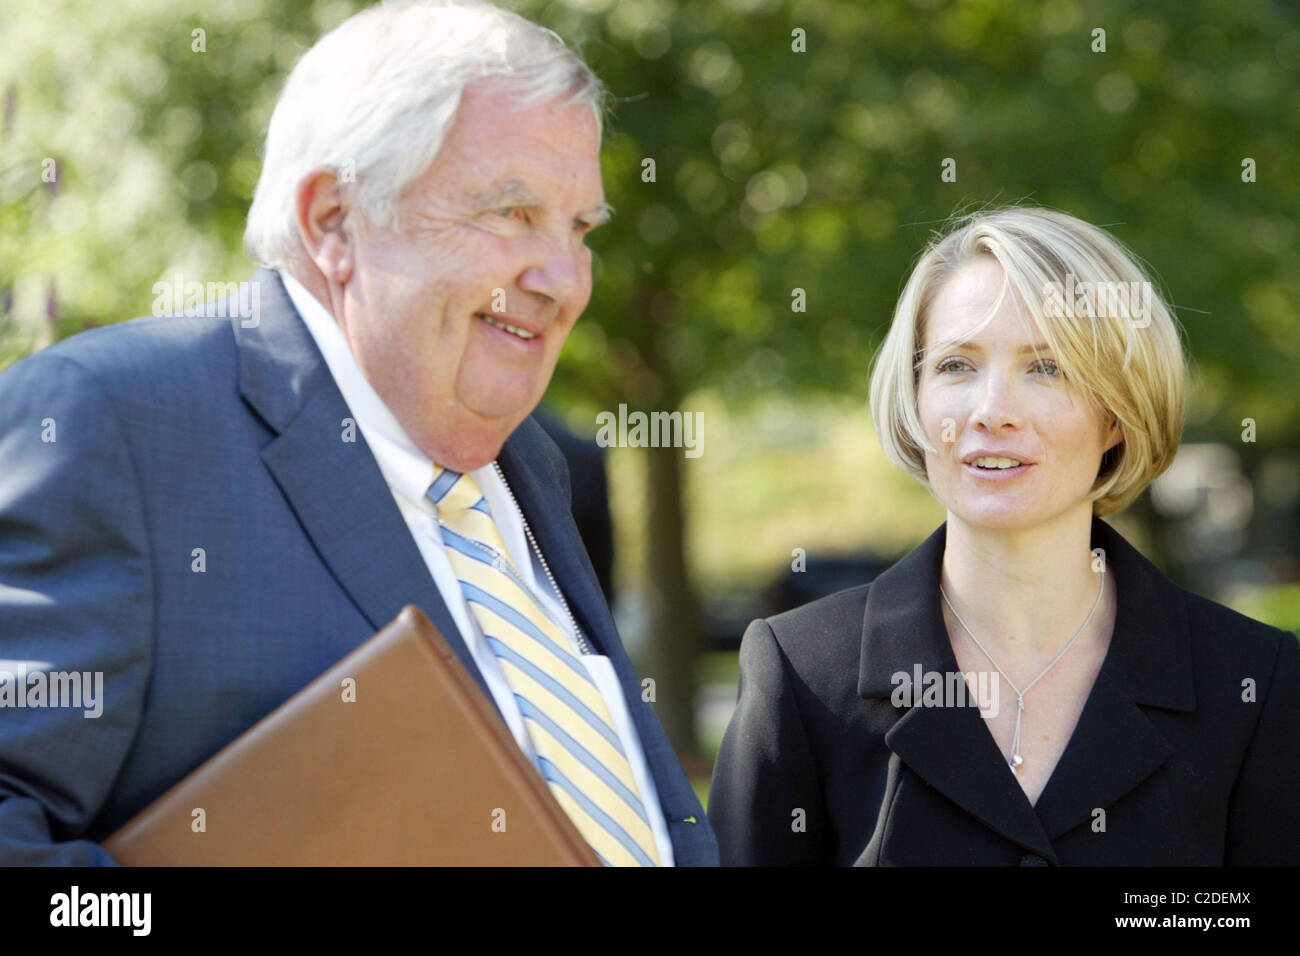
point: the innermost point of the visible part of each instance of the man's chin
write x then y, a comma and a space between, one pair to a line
464, 438
468, 452
505, 406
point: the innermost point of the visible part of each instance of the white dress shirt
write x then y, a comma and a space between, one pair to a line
409, 472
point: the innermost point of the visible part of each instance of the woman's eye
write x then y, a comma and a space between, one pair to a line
1045, 366
509, 212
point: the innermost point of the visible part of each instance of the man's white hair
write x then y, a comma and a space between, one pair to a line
375, 98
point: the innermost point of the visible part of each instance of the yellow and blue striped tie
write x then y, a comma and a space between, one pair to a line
578, 749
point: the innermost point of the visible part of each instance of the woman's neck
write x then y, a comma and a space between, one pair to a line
1024, 593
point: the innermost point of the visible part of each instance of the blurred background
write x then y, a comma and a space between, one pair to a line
750, 271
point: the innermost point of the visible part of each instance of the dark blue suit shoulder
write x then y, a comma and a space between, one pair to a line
123, 349
147, 365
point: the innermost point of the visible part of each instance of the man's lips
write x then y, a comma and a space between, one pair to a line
520, 329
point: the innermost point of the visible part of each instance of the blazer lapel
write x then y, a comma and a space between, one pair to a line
1114, 747
335, 487
948, 747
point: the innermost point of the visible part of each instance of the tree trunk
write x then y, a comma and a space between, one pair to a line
675, 634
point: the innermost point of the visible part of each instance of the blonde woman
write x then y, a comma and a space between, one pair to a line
1024, 687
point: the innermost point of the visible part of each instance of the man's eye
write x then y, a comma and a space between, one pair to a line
515, 213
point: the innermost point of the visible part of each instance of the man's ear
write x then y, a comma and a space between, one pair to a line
322, 211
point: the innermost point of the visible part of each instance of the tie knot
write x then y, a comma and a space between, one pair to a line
452, 491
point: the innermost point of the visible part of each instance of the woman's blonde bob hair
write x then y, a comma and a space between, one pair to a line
1110, 331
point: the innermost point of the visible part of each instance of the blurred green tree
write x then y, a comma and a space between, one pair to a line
797, 151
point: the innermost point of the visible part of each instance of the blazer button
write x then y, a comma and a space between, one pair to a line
1033, 859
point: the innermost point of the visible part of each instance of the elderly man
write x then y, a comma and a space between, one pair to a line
186, 505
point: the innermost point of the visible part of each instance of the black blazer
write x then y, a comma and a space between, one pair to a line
1186, 771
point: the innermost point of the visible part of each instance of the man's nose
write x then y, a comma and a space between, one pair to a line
561, 271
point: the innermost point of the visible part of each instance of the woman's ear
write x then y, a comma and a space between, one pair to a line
1114, 435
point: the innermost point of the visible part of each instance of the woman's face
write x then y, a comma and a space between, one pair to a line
992, 398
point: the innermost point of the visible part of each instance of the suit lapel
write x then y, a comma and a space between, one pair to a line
334, 486
948, 747
1114, 747
535, 480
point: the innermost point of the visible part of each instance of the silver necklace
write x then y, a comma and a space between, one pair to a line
1017, 759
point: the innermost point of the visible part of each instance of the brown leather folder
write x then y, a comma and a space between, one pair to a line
419, 769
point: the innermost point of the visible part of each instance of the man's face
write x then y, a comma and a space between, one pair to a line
492, 235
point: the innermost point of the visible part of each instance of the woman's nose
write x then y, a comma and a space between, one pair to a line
997, 403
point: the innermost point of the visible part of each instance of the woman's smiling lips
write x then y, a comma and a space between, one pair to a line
998, 460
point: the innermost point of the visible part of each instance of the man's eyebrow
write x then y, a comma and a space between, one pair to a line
512, 192
599, 215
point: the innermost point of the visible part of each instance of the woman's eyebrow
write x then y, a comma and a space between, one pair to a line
976, 347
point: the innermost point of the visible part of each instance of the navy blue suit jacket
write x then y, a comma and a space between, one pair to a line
220, 433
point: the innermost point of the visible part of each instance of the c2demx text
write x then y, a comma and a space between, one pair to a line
20, 687
102, 909
655, 430
950, 689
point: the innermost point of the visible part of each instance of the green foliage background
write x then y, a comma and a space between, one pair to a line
774, 170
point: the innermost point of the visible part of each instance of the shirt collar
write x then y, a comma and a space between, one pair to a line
406, 468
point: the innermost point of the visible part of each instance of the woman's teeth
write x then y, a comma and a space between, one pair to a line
505, 327
996, 463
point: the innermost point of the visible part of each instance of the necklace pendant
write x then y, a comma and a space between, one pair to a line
1016, 761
